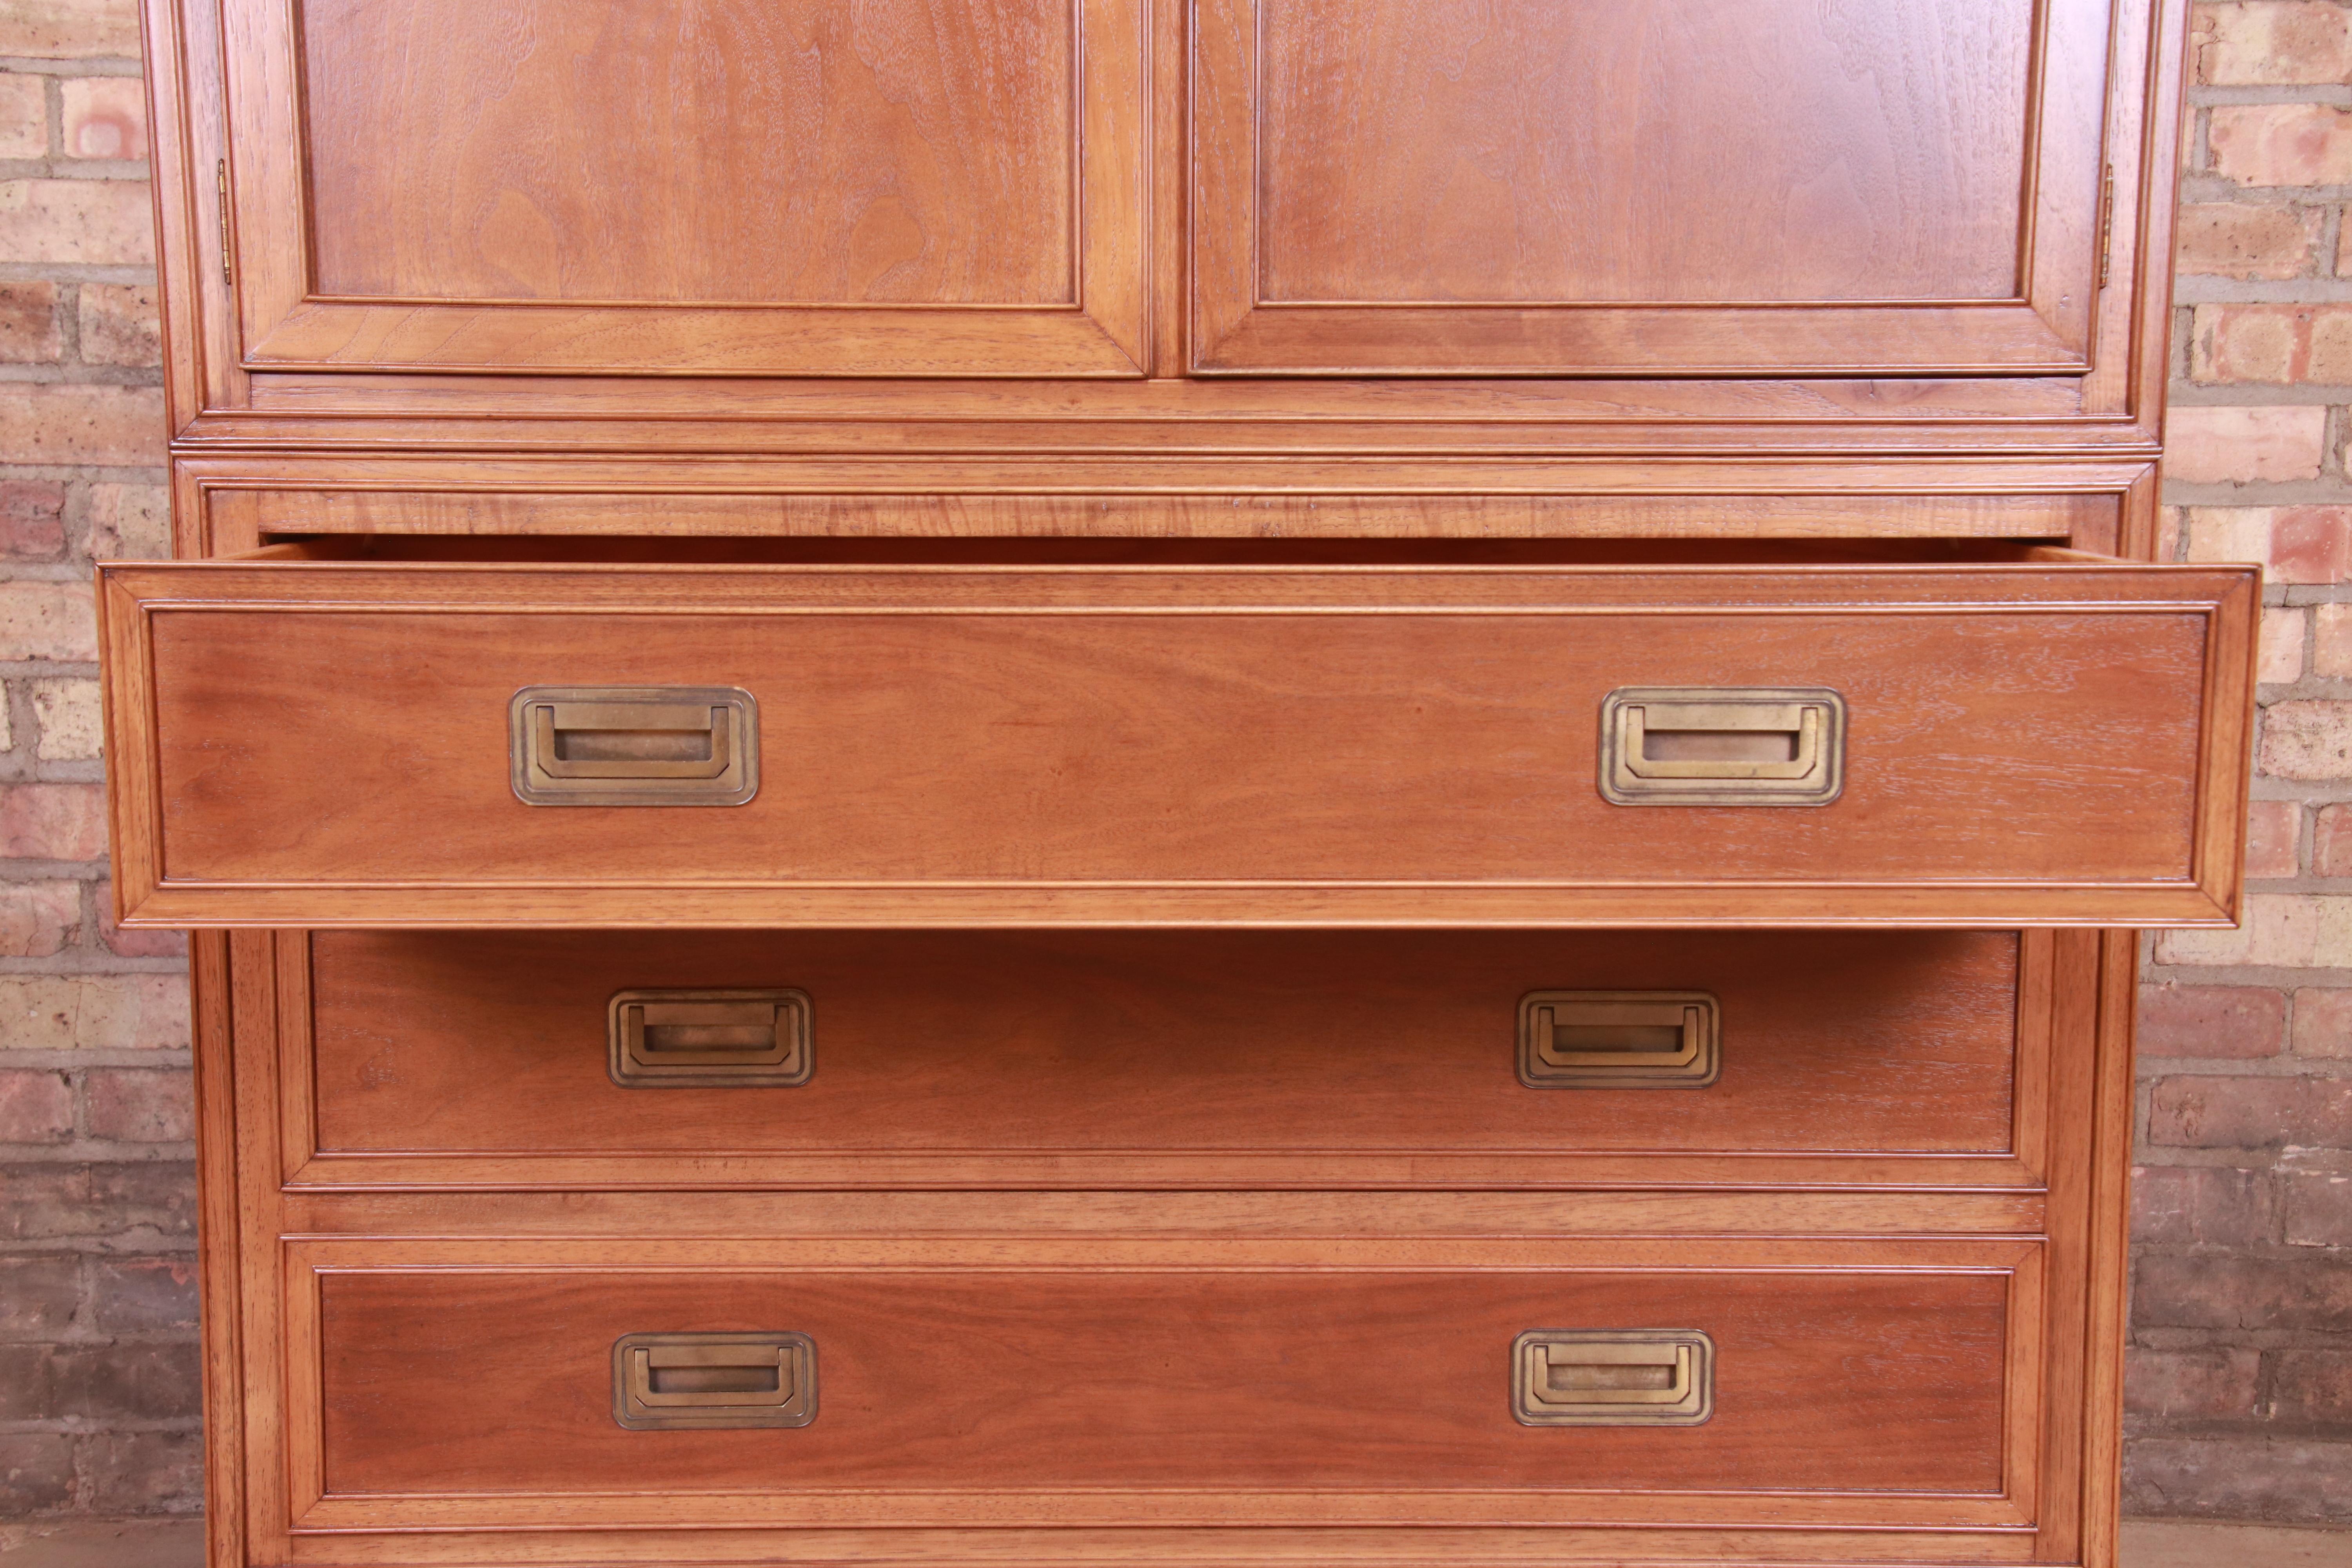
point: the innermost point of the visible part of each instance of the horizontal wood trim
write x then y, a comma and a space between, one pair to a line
1858, 340
579, 340
1874, 1194
184, 905
1261, 1547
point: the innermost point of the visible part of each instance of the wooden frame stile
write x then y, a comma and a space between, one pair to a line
221, 1235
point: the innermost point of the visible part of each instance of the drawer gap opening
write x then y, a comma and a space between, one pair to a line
633, 745
1719, 745
767, 1379
1666, 1040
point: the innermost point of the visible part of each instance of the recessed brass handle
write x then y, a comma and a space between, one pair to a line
1620, 1040
676, 1380
1695, 745
709, 1039
1612, 1377
622, 745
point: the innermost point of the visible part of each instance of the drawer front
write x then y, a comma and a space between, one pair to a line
1182, 1384
2012, 744
1190, 1057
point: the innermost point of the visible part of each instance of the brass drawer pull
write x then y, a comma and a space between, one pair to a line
709, 1039
634, 745
1697, 745
1612, 1377
664, 1382
1620, 1040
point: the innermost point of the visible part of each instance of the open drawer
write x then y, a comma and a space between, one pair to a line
391, 738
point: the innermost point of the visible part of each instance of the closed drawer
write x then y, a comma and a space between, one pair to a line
1160, 1058
488, 1385
348, 743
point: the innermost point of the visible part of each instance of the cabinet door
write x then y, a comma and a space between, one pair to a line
788, 188
1717, 188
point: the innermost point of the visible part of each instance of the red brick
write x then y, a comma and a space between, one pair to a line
2217, 1290
77, 223
2331, 645
138, 1105
105, 117
69, 29
2215, 1111
2237, 1021
96, 1012
2260, 343
145, 1472
34, 1108
2318, 1210
38, 1295
2266, 43
130, 522
29, 324
32, 520
24, 117
2313, 1387
2272, 827
144, 1295
2281, 144
66, 422
2311, 543
2221, 444
2331, 845
2292, 544
98, 1382
120, 324
142, 1202
2286, 931
37, 1473
52, 821
2199, 1384
133, 943
48, 620
2238, 1478
2322, 1022
2199, 1206
2307, 739
2239, 239
39, 919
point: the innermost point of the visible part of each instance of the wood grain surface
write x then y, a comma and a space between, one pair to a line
773, 153
1271, 1042
1473, 188
1397, 744
1540, 154
690, 186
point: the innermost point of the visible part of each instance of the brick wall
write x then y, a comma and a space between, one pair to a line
98, 1365
2241, 1387
2240, 1390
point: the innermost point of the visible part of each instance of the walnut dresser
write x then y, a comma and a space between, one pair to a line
1053, 783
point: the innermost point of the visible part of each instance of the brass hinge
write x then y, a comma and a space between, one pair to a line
228, 272
2106, 224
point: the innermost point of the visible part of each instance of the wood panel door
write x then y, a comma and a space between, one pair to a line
782, 187
1679, 187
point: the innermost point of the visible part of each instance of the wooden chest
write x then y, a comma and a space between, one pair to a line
1221, 782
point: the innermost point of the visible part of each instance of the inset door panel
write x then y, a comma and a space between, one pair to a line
689, 186
1165, 1058
1212, 1382
1655, 187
